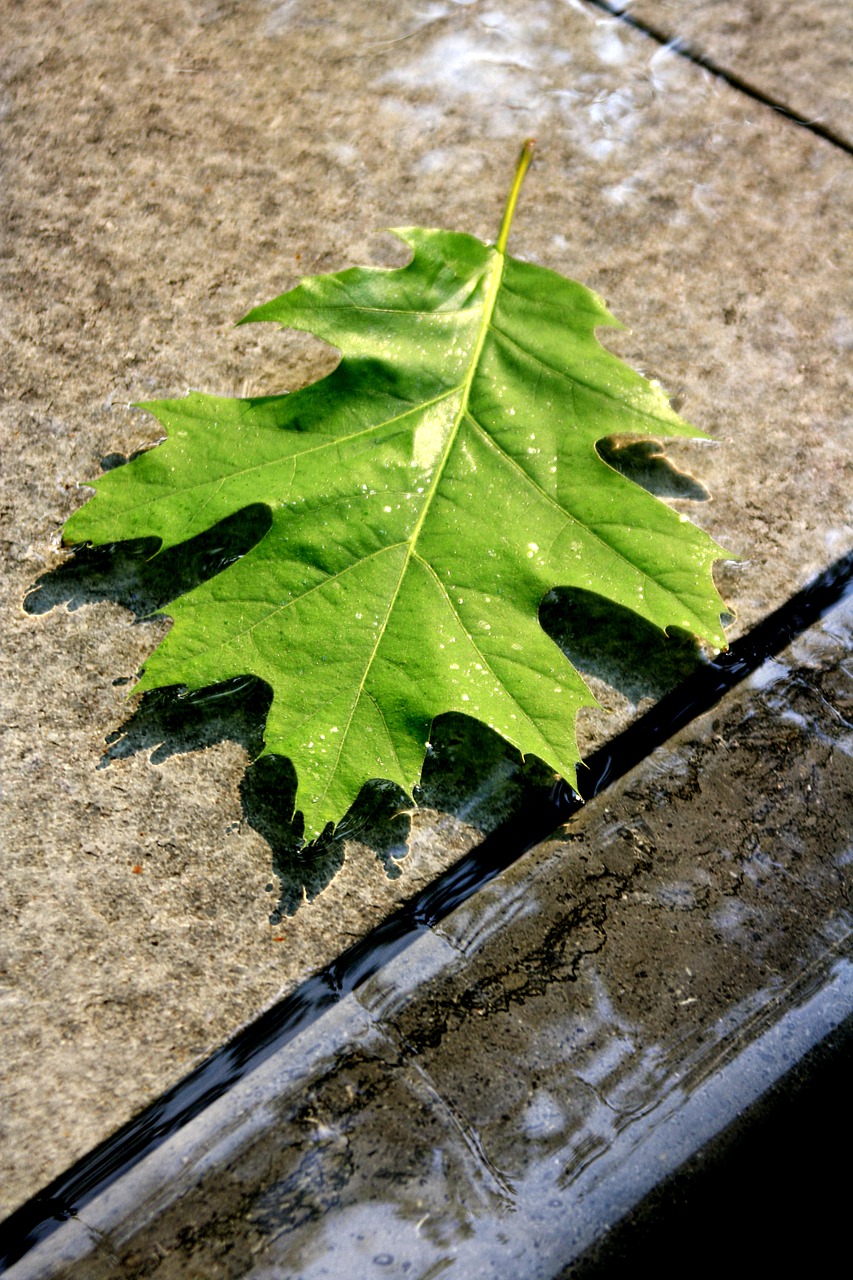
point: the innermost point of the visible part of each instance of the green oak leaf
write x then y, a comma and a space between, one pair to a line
424, 496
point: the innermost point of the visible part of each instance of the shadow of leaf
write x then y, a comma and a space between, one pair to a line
469, 772
474, 774
379, 819
134, 575
644, 462
169, 722
604, 640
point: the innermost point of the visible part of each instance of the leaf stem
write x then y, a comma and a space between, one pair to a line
523, 165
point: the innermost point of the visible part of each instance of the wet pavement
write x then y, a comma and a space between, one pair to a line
516, 1081
166, 172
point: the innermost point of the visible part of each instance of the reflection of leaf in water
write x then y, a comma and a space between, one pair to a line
422, 499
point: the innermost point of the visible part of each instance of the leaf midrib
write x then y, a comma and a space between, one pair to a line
499, 261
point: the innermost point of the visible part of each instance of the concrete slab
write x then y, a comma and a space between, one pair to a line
165, 171
500, 1095
798, 53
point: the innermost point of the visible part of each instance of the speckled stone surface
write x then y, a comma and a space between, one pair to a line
164, 170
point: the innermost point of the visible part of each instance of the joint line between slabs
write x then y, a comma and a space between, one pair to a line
731, 78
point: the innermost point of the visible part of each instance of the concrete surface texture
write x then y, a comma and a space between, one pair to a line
164, 171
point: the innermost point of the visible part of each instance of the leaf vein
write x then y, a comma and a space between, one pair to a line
537, 731
578, 382
568, 517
